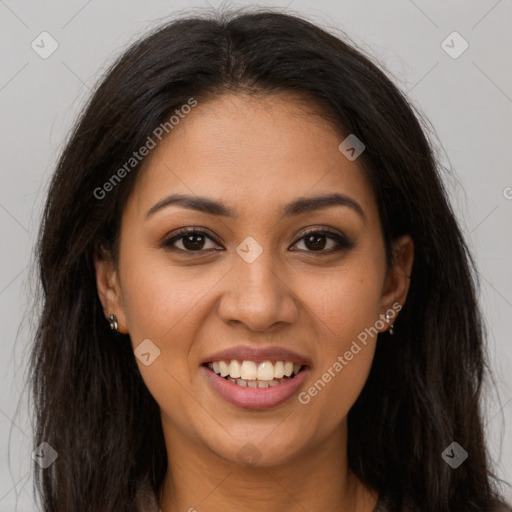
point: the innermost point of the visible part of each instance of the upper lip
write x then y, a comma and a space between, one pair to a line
258, 355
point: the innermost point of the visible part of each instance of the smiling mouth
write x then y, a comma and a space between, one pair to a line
249, 374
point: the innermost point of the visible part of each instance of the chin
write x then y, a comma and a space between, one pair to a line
258, 449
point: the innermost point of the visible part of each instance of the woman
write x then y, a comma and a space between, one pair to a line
256, 294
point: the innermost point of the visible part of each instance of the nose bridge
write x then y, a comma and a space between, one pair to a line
258, 296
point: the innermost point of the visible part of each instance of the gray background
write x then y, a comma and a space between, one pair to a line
467, 99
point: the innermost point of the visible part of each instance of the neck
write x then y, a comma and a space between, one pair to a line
318, 478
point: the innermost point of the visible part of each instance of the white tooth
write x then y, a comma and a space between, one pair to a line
234, 369
215, 366
231, 380
262, 384
241, 382
272, 383
252, 384
296, 368
248, 370
288, 368
224, 368
265, 371
279, 370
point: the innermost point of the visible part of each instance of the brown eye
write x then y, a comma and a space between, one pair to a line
190, 240
316, 241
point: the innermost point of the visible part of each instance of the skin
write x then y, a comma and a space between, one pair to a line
255, 155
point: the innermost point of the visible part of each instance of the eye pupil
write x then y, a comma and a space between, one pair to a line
315, 241
188, 239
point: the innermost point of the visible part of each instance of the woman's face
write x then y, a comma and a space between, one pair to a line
252, 287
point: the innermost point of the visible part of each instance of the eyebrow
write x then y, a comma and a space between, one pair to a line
296, 207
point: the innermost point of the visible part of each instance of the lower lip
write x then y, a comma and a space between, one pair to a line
255, 398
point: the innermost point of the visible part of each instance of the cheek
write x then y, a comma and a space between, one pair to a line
164, 304
346, 307
335, 388
157, 296
344, 301
344, 347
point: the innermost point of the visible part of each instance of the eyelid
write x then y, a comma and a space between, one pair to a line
322, 230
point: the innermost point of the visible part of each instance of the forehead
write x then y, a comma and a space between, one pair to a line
254, 153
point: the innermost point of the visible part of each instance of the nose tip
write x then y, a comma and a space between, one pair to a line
257, 297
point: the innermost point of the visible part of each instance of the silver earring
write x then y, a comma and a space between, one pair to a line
388, 320
113, 322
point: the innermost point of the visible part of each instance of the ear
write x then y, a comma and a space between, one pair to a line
396, 286
109, 290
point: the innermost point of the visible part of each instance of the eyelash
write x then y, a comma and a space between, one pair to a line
342, 241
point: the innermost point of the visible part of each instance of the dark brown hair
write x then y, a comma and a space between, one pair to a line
423, 391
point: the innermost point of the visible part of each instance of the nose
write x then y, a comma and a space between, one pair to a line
258, 296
